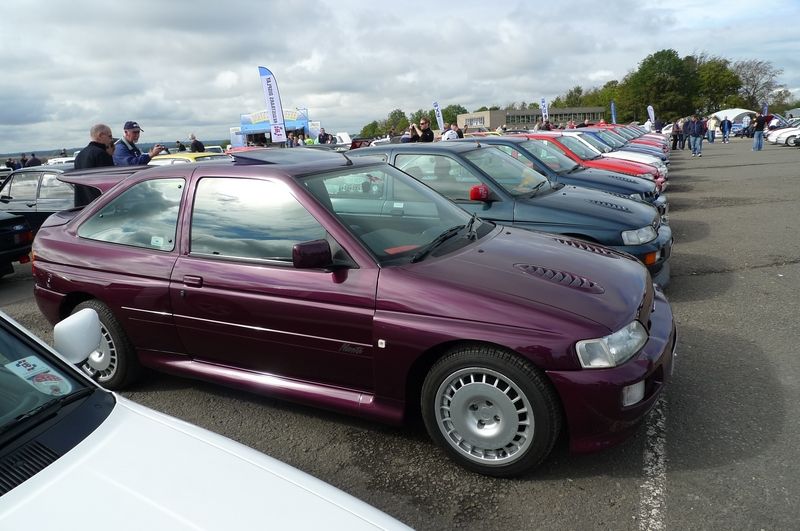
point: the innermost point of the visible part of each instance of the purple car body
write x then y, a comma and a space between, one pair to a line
380, 298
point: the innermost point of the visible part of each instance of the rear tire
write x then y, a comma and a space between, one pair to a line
115, 364
492, 411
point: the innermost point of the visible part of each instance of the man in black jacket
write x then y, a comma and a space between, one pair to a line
96, 153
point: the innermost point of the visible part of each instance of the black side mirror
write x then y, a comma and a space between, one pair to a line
315, 254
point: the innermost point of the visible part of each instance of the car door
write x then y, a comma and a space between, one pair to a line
54, 196
239, 302
18, 196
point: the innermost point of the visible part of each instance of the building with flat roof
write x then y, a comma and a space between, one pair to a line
527, 118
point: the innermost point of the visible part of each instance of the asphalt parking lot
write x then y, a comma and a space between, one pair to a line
719, 452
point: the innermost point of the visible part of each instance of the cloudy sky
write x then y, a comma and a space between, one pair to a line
191, 66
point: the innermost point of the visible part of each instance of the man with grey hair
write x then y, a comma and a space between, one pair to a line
96, 153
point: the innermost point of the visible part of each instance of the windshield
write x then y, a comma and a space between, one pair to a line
511, 174
612, 139
392, 214
551, 156
625, 133
29, 379
600, 146
584, 151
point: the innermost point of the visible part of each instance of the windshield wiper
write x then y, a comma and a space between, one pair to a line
440, 239
47, 409
536, 188
471, 232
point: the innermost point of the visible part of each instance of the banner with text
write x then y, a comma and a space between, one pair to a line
439, 119
274, 107
543, 106
651, 113
613, 112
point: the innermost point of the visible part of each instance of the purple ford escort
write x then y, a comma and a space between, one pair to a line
353, 287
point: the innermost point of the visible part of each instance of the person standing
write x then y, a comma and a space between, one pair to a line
126, 153
423, 130
452, 133
180, 145
696, 132
712, 128
196, 146
322, 137
758, 132
746, 126
95, 154
725, 126
33, 161
675, 134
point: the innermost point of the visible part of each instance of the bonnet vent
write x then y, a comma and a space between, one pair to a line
588, 247
23, 464
609, 204
561, 277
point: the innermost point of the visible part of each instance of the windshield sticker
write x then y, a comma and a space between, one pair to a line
40, 375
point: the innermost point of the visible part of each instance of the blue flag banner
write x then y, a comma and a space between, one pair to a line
439, 119
543, 106
274, 107
613, 112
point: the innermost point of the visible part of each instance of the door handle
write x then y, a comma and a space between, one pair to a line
193, 281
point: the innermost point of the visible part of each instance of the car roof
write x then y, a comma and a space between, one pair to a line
284, 156
430, 147
46, 167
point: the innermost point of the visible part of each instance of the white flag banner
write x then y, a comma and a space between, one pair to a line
543, 106
438, 112
651, 113
274, 107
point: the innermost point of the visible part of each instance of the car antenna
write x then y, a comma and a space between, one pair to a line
348, 159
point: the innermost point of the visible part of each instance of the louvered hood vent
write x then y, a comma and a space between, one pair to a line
23, 464
561, 277
609, 204
588, 247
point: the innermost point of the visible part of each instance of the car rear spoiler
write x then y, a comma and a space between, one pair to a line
101, 179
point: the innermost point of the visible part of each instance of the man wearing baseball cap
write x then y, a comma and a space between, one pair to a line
126, 153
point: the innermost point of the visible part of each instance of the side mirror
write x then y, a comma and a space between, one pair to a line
312, 255
77, 336
479, 192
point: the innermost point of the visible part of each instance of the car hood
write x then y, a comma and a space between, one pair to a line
634, 156
144, 470
521, 278
615, 179
578, 206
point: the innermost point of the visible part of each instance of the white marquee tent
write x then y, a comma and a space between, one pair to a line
734, 115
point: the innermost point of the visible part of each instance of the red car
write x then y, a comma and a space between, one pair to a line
575, 150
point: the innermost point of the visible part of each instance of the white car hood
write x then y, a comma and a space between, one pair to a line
142, 470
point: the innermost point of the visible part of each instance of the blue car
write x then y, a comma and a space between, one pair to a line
496, 187
561, 169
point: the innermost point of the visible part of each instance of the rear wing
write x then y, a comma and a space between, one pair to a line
101, 179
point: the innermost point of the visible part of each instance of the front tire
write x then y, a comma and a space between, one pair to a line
492, 411
115, 364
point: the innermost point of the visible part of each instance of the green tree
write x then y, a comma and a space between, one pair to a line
759, 81
481, 109
451, 112
716, 83
370, 130
662, 80
396, 120
574, 97
416, 116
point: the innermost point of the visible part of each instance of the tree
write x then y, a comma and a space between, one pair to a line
759, 81
717, 82
396, 120
371, 130
451, 112
481, 109
574, 97
663, 80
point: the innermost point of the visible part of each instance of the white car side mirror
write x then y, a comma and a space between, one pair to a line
77, 336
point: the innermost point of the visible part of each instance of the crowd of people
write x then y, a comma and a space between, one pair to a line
694, 130
23, 162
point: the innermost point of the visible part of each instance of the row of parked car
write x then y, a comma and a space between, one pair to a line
788, 135
496, 287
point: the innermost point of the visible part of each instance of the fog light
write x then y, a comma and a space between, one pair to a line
631, 394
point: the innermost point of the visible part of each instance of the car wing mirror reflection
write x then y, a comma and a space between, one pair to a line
78, 336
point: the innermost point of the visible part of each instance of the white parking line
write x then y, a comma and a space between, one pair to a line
652, 493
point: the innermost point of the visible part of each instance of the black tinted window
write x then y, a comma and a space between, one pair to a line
249, 218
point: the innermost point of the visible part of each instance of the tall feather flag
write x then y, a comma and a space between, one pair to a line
274, 107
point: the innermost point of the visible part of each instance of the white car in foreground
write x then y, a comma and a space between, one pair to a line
75, 456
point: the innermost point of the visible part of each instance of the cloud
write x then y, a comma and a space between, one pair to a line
178, 68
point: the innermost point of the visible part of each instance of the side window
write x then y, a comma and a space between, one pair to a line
516, 154
23, 186
144, 215
249, 218
445, 175
52, 188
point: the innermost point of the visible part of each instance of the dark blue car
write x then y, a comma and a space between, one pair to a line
497, 187
561, 169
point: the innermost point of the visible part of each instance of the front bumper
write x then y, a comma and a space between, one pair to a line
592, 398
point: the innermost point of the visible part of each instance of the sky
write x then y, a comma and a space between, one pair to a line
186, 67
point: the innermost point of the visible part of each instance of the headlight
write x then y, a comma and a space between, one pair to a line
638, 236
612, 350
636, 196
